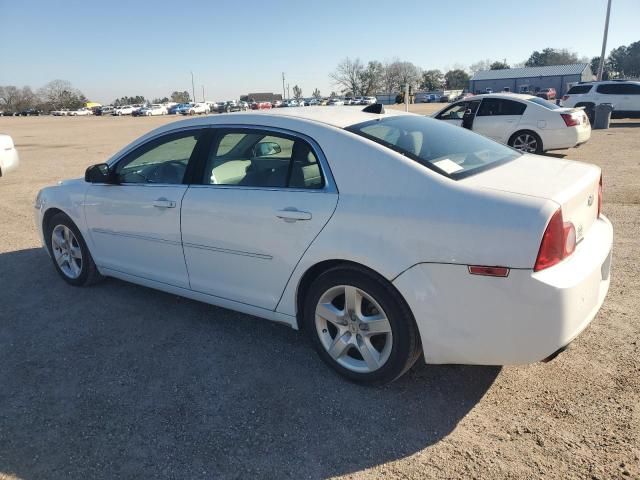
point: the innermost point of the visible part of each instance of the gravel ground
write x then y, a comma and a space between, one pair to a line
120, 381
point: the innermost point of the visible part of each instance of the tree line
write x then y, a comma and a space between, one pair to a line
355, 77
54, 95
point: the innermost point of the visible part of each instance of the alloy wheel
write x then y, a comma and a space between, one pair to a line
525, 142
66, 251
353, 329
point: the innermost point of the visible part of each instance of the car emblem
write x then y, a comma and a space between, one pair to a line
590, 200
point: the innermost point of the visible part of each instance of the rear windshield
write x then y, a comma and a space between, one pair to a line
544, 103
579, 89
450, 150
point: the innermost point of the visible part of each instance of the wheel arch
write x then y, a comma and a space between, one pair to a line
526, 130
319, 268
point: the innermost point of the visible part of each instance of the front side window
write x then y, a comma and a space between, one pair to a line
454, 112
162, 160
452, 151
256, 158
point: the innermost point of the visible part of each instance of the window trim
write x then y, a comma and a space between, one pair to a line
498, 99
325, 170
202, 138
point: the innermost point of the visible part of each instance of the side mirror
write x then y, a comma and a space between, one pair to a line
264, 149
99, 173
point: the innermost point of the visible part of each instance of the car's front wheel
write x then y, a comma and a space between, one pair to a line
69, 252
361, 326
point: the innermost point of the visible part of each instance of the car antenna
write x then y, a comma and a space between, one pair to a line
374, 108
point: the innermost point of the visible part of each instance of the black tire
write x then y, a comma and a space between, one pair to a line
89, 273
405, 344
538, 146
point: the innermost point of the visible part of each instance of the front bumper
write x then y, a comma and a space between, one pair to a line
520, 319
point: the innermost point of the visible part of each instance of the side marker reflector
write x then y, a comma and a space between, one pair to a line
488, 271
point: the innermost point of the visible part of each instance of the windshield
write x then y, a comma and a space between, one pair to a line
544, 103
450, 150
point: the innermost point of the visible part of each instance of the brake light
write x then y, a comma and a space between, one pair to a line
558, 242
599, 197
570, 120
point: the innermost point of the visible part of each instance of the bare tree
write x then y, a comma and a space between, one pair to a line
61, 94
479, 66
371, 78
297, 92
316, 93
348, 75
14, 99
389, 78
408, 74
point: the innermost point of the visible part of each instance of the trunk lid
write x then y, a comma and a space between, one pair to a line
572, 185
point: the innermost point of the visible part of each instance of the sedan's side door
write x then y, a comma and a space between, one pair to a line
134, 223
264, 195
497, 118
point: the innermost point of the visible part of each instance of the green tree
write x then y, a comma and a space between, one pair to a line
498, 65
160, 100
551, 56
297, 92
316, 94
456, 79
370, 79
432, 80
625, 60
180, 97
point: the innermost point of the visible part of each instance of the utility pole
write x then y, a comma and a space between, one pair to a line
288, 92
604, 42
193, 88
283, 91
203, 93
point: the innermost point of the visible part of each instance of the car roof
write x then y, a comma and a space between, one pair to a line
503, 95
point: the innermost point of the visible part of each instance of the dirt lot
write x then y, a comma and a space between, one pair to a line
119, 381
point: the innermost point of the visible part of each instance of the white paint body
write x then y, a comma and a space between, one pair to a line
547, 124
225, 245
9, 159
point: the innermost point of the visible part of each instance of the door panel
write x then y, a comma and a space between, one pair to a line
242, 244
136, 230
498, 118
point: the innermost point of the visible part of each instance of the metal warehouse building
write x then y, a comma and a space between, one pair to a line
531, 79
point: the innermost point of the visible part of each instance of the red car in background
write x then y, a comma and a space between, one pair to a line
547, 93
260, 105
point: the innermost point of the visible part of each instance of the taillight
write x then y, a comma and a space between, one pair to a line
599, 197
570, 120
558, 242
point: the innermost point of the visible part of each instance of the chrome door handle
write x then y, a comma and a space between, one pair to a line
292, 214
164, 203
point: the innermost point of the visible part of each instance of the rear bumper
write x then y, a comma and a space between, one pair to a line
566, 137
520, 319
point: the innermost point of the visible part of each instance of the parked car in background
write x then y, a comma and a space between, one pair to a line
196, 109
63, 112
315, 102
334, 102
444, 99
103, 110
261, 105
81, 112
276, 103
173, 110
453, 249
547, 93
369, 100
30, 112
229, 106
524, 122
623, 95
152, 110
9, 159
123, 110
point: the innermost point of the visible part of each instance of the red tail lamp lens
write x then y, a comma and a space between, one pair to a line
558, 242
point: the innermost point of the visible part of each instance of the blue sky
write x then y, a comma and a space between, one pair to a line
113, 48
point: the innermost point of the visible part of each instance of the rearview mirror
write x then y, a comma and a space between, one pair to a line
264, 149
99, 173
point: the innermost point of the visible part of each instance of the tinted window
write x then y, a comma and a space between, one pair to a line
579, 89
499, 106
447, 149
619, 89
163, 160
544, 103
253, 158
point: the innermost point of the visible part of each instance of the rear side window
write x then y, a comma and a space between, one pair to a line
619, 89
577, 89
544, 103
499, 106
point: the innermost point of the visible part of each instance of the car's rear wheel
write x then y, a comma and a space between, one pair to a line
69, 252
361, 326
526, 141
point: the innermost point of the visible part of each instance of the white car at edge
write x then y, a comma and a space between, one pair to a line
382, 235
9, 159
525, 122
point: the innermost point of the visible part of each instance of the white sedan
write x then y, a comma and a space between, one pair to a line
196, 108
153, 110
524, 122
123, 110
80, 112
9, 159
383, 236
